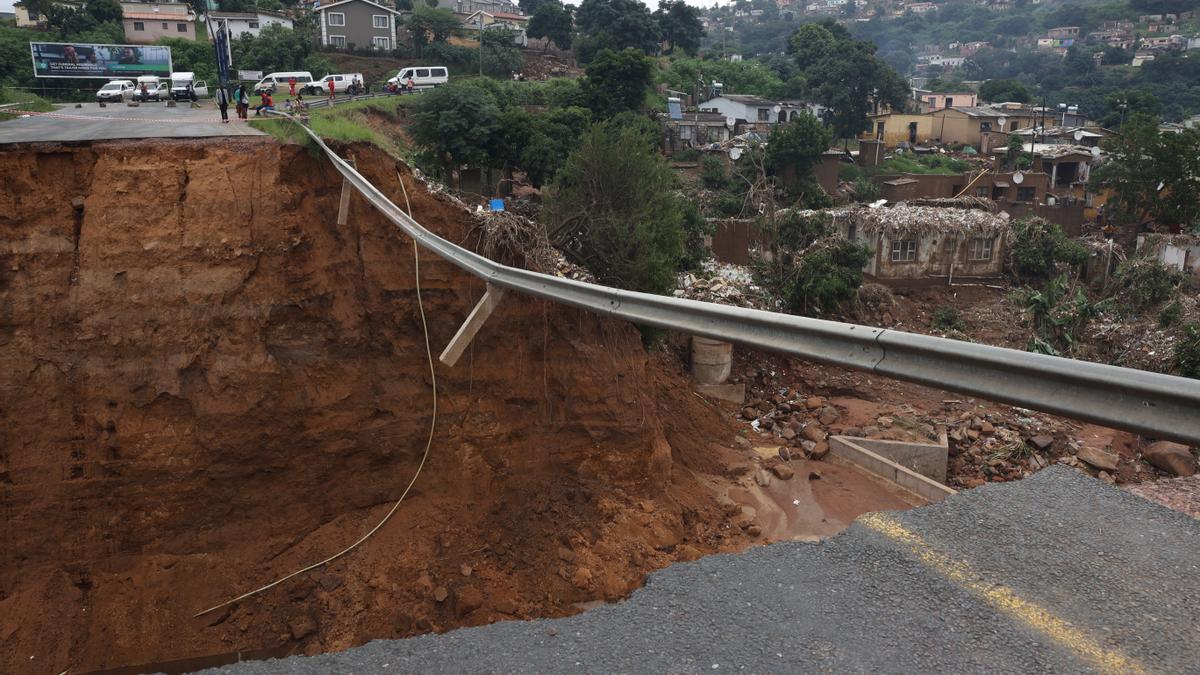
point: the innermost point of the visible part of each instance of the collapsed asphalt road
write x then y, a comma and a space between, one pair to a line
1058, 572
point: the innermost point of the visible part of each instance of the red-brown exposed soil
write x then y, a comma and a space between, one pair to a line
207, 384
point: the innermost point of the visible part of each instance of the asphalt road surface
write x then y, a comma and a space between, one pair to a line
1055, 573
117, 121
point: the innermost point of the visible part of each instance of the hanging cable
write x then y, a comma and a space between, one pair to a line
425, 456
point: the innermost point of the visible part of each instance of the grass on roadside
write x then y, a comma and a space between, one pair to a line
28, 100
359, 121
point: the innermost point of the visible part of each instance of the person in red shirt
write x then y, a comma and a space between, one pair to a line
292, 85
331, 90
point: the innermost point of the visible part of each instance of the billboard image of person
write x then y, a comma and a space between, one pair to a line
57, 59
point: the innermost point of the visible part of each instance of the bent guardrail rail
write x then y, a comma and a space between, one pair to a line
1160, 406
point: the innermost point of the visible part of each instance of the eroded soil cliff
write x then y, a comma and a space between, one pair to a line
205, 383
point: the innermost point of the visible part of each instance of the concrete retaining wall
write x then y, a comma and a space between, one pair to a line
852, 450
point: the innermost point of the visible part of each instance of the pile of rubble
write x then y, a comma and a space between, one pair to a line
725, 284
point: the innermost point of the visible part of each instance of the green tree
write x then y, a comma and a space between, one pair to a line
275, 48
614, 25
679, 25
823, 281
617, 81
1152, 175
1125, 104
1040, 248
795, 148
458, 125
551, 21
501, 55
429, 24
1003, 91
615, 209
844, 75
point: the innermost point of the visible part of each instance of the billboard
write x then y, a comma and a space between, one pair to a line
74, 59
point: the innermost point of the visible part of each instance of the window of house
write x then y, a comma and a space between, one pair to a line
337, 40
685, 132
1026, 194
254, 24
382, 42
852, 232
764, 115
981, 249
949, 101
379, 20
904, 250
138, 25
181, 27
164, 25
983, 191
336, 19
985, 127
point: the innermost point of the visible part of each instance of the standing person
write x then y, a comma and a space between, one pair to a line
242, 101
412, 88
223, 103
191, 91
292, 85
331, 90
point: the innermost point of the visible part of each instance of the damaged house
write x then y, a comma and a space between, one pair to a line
923, 243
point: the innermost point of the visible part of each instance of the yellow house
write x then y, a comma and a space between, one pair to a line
967, 125
896, 128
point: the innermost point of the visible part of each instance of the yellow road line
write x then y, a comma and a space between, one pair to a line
1004, 598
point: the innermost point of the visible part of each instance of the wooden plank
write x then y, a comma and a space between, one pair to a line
475, 320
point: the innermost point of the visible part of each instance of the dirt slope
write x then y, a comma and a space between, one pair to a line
205, 384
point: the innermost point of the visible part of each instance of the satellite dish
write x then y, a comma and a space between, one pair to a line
735, 154
1051, 201
730, 122
1096, 152
1018, 178
1160, 186
776, 109
1002, 121
1079, 135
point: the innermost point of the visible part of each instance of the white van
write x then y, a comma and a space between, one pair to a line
156, 89
278, 82
180, 91
423, 77
341, 82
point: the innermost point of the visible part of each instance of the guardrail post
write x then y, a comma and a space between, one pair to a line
475, 320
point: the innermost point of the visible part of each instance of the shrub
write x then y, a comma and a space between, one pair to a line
695, 229
1143, 284
1040, 247
686, 155
1187, 352
1169, 315
866, 190
798, 230
713, 174
825, 280
1059, 312
728, 204
614, 208
948, 319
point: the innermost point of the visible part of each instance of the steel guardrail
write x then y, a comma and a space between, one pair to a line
1157, 405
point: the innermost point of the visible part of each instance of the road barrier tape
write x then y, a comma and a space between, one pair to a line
114, 118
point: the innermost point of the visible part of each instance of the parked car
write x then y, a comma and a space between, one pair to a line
341, 82
179, 87
423, 77
115, 91
279, 82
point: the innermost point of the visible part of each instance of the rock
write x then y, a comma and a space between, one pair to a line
440, 594
976, 423
728, 507
1171, 457
814, 433
987, 428
885, 422
1042, 442
828, 416
788, 433
765, 406
749, 413
754, 531
820, 450
762, 478
302, 626
814, 402
785, 454
1101, 459
567, 555
1107, 478
742, 442
784, 408
807, 445
687, 553
783, 471
468, 599
77, 203
973, 434
871, 432
766, 423
466, 570
855, 432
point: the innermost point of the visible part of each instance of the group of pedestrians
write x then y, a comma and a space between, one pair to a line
408, 87
241, 102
